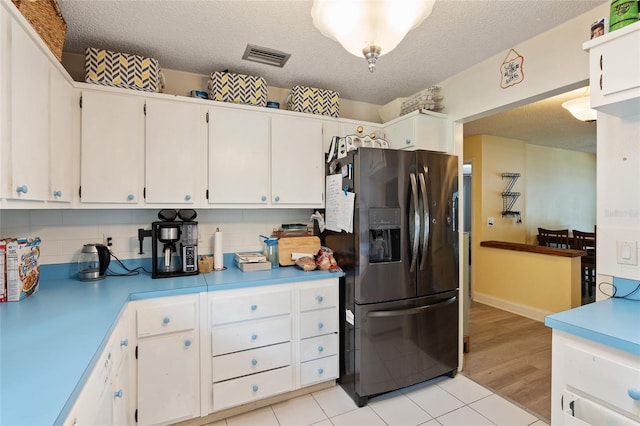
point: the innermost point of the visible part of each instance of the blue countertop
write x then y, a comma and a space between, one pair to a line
50, 341
612, 322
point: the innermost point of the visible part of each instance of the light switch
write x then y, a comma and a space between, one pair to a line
627, 252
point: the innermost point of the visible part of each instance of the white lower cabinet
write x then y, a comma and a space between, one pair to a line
107, 397
593, 384
168, 356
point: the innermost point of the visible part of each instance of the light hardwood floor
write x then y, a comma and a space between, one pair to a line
511, 355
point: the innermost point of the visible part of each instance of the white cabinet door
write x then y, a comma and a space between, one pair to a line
238, 157
420, 130
173, 152
62, 107
168, 378
112, 146
29, 118
121, 394
297, 162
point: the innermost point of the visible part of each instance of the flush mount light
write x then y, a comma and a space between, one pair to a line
369, 28
580, 108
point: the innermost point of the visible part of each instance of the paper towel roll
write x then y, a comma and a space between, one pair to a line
218, 263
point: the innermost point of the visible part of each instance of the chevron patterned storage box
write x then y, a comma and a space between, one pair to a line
121, 70
238, 88
314, 101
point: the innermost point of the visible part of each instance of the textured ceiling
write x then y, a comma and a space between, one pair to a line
206, 36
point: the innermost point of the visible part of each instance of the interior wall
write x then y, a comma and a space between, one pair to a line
560, 190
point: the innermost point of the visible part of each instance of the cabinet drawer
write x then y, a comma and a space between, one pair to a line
225, 367
318, 297
252, 388
319, 370
226, 309
608, 380
250, 335
316, 323
316, 347
166, 318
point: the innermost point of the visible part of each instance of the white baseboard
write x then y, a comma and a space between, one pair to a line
515, 308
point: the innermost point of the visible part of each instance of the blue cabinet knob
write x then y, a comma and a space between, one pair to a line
57, 193
22, 189
254, 336
187, 343
254, 362
187, 197
320, 371
254, 388
117, 394
166, 320
124, 342
634, 393
130, 197
319, 298
320, 325
407, 141
264, 198
320, 349
277, 198
254, 307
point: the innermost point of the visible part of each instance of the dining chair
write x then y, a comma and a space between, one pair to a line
586, 241
553, 238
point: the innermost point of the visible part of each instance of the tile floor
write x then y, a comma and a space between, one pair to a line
442, 401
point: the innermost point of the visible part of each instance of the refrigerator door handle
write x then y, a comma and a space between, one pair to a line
427, 219
411, 311
416, 221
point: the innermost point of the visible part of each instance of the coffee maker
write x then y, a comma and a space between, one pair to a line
174, 248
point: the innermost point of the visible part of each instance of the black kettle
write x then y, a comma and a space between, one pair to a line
93, 262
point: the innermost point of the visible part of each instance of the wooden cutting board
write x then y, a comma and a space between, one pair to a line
289, 245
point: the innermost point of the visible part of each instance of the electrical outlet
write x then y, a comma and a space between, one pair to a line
108, 241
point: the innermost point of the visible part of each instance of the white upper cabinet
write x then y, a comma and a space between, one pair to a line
297, 162
614, 68
175, 134
29, 139
63, 104
112, 147
238, 157
420, 130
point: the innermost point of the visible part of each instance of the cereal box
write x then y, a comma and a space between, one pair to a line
3, 272
23, 271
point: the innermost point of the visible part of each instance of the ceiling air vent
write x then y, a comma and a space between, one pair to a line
266, 56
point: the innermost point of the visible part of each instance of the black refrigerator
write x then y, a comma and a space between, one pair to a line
399, 296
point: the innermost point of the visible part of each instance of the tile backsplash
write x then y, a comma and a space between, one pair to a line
64, 232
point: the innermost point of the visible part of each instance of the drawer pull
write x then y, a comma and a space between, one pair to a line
22, 189
320, 325
254, 336
166, 320
319, 298
117, 394
320, 371
254, 307
254, 362
320, 349
254, 388
124, 342
187, 343
634, 394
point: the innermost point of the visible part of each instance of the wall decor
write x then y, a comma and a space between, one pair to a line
511, 70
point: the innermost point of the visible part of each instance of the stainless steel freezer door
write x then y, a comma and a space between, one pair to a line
398, 344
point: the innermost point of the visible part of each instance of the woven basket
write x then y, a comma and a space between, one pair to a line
45, 17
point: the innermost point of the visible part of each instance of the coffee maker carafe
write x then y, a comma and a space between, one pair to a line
175, 248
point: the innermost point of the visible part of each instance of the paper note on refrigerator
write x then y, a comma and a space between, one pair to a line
339, 205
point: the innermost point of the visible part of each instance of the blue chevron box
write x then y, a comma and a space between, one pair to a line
314, 101
238, 88
121, 70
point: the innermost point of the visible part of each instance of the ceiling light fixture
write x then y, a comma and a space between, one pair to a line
369, 28
580, 108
